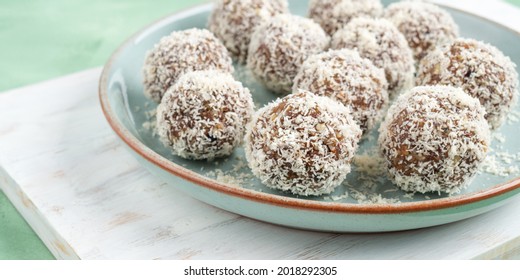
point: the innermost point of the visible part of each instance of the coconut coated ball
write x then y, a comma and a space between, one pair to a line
381, 42
233, 21
204, 114
332, 15
302, 143
346, 77
424, 25
280, 46
480, 69
434, 139
181, 52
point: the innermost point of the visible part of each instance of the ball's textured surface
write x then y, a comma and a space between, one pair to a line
381, 42
302, 143
332, 15
433, 139
204, 114
279, 47
424, 25
480, 69
181, 52
233, 21
346, 77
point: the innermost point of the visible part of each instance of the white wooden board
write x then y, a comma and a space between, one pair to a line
87, 198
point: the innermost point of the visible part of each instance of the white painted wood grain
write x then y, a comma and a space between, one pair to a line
87, 198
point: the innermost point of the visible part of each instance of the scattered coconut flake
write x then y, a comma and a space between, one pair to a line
409, 195
371, 198
339, 197
370, 163
493, 165
499, 137
513, 116
236, 176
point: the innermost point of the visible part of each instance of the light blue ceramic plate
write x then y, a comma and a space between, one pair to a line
125, 107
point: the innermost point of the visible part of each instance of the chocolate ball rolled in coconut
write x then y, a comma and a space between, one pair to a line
424, 25
181, 52
381, 42
302, 143
280, 46
480, 69
332, 15
204, 114
346, 77
434, 139
233, 21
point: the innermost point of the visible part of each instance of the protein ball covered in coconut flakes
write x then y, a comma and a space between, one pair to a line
346, 77
181, 52
204, 114
381, 42
280, 46
332, 15
434, 139
424, 25
481, 70
302, 143
233, 21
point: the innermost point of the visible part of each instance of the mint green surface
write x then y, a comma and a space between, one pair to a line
43, 39
17, 240
515, 2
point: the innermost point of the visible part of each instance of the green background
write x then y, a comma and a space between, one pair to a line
43, 39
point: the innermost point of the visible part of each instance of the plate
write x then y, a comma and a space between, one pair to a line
365, 202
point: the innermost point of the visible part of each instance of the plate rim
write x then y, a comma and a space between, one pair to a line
260, 197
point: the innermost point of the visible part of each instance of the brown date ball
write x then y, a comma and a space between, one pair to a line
480, 69
181, 52
381, 42
424, 25
280, 46
233, 21
302, 143
433, 139
346, 77
204, 114
332, 15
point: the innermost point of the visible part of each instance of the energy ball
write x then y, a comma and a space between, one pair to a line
280, 46
346, 77
181, 52
381, 42
481, 70
233, 21
433, 139
424, 25
204, 114
302, 143
334, 14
